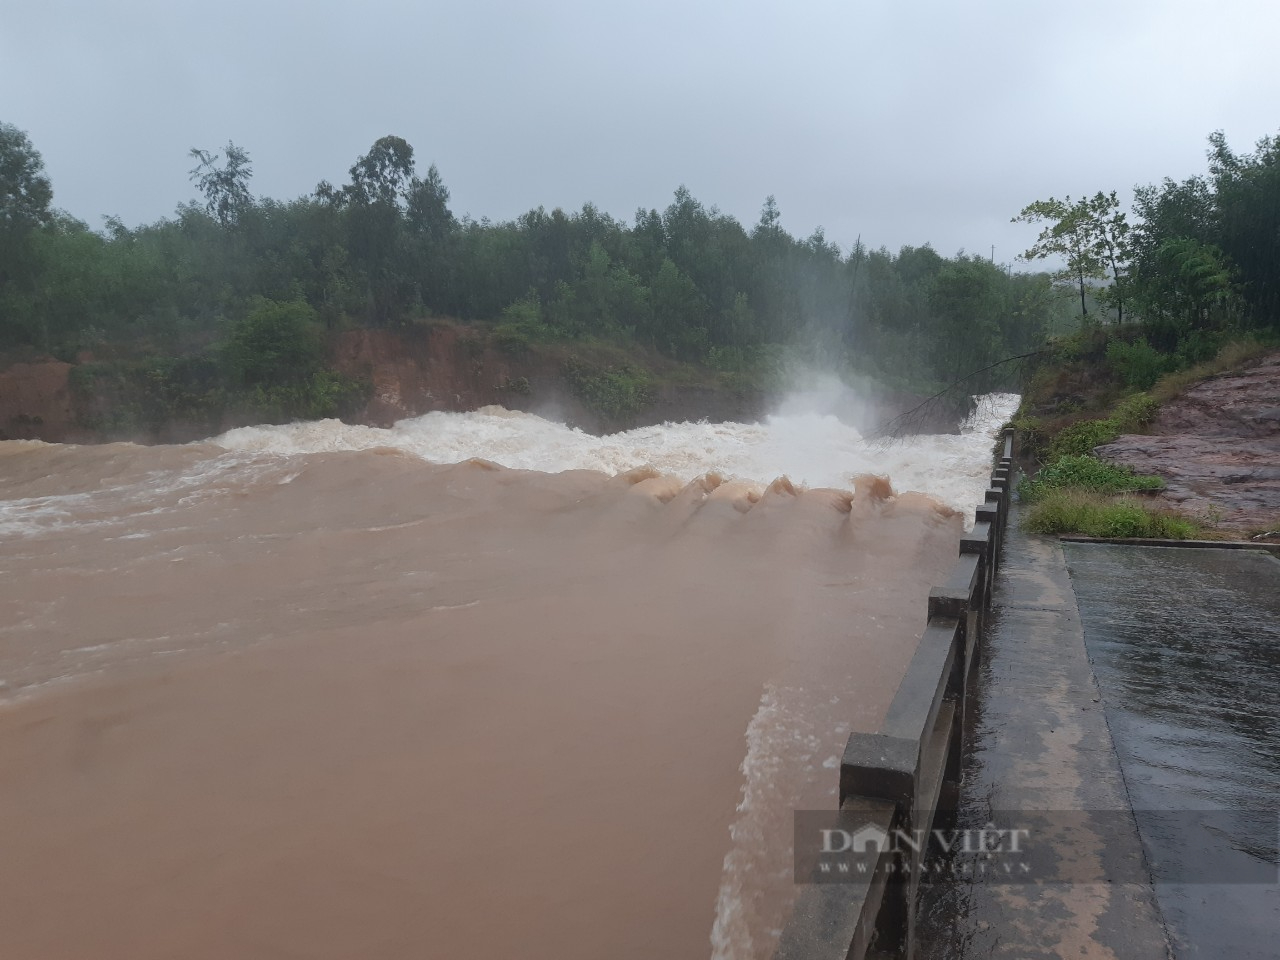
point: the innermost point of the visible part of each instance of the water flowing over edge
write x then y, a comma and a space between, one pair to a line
811, 449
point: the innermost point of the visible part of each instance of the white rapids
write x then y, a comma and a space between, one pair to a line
816, 450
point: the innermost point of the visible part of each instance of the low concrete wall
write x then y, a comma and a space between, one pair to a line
904, 774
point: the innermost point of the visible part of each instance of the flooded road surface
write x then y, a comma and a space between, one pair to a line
1185, 645
339, 692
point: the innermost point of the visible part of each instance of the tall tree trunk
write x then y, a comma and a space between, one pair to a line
1115, 282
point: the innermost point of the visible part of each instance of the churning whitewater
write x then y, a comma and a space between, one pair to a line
812, 449
475, 685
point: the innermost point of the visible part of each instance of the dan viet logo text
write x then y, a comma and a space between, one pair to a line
1042, 846
873, 839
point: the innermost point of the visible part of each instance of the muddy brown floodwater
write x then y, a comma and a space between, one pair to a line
357, 704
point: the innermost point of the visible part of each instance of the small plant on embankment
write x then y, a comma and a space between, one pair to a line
1082, 494
1085, 473
1080, 399
1076, 510
1079, 393
1129, 416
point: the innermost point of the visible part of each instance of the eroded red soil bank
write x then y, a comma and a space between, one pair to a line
415, 371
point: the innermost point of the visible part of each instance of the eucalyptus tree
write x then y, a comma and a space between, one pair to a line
1071, 234
25, 198
433, 237
375, 201
1247, 201
225, 186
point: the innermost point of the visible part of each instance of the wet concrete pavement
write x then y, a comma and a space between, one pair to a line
1189, 669
1039, 751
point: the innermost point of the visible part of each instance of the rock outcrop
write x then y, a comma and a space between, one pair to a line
1217, 447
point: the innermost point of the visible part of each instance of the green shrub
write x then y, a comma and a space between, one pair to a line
1085, 472
1032, 439
1138, 363
1079, 439
522, 325
1134, 413
274, 344
1093, 515
512, 339
124, 397
1198, 346
325, 394
616, 392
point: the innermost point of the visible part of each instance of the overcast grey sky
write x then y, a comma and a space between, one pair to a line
903, 122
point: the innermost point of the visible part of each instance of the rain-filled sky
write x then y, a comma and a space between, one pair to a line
905, 123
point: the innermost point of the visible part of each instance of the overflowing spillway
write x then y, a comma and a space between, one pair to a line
475, 685
814, 449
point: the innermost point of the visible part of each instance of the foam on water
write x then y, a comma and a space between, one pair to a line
812, 449
119, 503
817, 450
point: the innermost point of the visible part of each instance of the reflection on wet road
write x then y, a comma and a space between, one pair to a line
1185, 645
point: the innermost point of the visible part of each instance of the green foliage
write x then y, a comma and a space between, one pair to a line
1081, 512
1206, 248
519, 386
1032, 439
1091, 235
1138, 364
226, 187
680, 314
1134, 413
384, 248
383, 175
965, 296
256, 282
1246, 191
1084, 472
1081, 438
274, 344
25, 196
25, 192
322, 394
750, 369
128, 397
616, 392
1187, 287
521, 327
512, 339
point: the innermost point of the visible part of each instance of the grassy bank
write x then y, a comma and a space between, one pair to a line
1080, 510
1084, 392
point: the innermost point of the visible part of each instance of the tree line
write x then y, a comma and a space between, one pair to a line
1199, 264
384, 249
